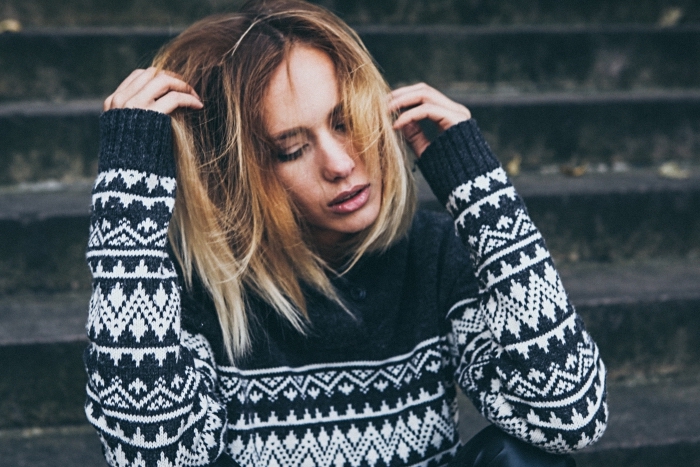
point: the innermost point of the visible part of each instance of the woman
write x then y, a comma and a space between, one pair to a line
293, 310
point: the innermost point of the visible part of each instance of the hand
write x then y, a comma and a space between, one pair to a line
153, 89
419, 102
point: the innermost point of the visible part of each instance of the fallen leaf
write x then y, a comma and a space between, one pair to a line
673, 170
513, 166
573, 170
10, 25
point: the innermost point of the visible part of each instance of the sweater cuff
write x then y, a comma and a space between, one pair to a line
136, 139
458, 155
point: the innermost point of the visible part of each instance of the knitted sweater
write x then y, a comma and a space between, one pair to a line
473, 299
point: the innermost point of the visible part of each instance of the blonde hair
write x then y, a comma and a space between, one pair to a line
234, 225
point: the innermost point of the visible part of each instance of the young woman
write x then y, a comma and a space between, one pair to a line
285, 306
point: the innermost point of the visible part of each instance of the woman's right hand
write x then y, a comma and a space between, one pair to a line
153, 89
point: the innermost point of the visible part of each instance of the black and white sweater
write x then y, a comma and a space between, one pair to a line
484, 309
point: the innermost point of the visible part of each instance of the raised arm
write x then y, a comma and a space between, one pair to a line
151, 391
522, 354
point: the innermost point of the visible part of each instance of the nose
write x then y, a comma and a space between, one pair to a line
337, 162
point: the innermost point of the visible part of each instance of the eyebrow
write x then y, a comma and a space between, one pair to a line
292, 132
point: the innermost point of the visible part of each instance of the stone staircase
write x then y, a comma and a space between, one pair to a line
608, 91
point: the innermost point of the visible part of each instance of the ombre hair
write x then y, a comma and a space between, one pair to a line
235, 226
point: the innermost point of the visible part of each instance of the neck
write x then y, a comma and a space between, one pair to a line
331, 247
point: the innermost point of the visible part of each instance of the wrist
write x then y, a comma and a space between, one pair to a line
136, 139
458, 155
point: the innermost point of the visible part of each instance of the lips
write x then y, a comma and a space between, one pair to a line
350, 200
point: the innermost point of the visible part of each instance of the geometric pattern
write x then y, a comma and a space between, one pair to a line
343, 414
523, 356
385, 443
330, 379
159, 396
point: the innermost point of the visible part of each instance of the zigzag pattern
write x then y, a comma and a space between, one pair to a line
334, 446
526, 304
509, 234
138, 313
326, 414
198, 452
168, 399
345, 378
147, 234
546, 390
206, 405
576, 420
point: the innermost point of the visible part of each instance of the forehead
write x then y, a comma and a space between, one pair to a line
303, 91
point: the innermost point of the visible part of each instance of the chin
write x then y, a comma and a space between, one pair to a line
364, 221
343, 230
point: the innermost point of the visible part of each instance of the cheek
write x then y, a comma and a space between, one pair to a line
296, 182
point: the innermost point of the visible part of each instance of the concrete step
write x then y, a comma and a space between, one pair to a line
641, 128
88, 62
42, 384
44, 228
43, 319
66, 446
608, 217
644, 315
179, 12
651, 425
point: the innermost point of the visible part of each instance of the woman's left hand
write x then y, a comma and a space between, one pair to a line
419, 102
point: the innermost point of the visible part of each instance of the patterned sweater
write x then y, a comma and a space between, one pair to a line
471, 299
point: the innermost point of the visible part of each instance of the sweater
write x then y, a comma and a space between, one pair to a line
469, 299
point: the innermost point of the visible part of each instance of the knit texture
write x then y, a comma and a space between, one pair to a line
473, 300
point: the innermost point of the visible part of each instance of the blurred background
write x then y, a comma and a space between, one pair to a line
593, 108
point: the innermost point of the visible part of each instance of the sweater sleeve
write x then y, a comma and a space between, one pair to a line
521, 352
151, 391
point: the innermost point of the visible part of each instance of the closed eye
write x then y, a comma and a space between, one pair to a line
340, 127
290, 156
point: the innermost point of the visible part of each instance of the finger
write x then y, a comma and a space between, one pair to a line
108, 102
131, 87
159, 86
416, 97
175, 100
443, 117
413, 92
408, 89
135, 82
412, 96
155, 89
132, 77
415, 138
180, 78
149, 85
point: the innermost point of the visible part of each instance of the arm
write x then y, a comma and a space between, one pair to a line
151, 387
522, 353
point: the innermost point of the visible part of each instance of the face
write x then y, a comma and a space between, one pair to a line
316, 161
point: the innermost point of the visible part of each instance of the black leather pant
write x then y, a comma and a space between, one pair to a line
491, 447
